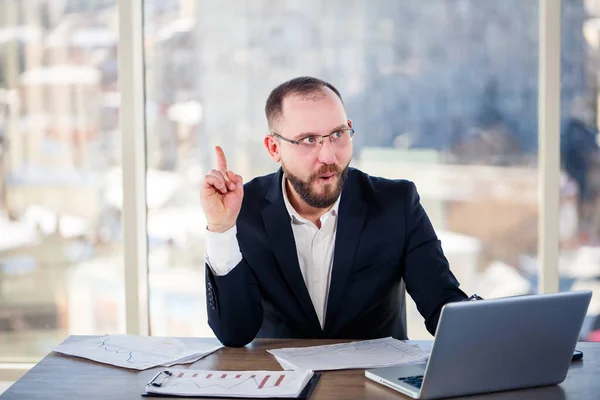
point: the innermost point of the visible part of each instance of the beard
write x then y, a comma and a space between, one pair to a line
330, 192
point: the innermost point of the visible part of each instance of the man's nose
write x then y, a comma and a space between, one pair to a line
326, 152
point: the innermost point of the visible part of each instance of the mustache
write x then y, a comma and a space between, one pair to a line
325, 169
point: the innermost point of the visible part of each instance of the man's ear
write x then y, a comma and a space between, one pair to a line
350, 123
272, 145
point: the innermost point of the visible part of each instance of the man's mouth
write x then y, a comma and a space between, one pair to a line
326, 178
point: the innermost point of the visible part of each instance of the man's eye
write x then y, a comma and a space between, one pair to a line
309, 140
338, 134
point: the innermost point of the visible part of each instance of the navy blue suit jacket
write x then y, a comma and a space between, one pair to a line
383, 237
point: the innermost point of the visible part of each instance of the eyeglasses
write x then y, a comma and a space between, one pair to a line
338, 139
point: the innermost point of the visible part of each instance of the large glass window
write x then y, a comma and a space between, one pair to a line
443, 93
579, 264
61, 258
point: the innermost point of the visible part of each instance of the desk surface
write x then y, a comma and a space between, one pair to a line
62, 377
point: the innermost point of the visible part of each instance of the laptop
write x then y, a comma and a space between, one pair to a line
493, 345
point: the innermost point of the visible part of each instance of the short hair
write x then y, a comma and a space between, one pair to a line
306, 87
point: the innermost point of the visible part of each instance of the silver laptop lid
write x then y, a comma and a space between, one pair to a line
502, 344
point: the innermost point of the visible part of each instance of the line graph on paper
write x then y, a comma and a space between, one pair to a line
136, 352
363, 354
127, 355
233, 384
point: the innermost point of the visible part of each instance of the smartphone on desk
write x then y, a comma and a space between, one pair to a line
577, 355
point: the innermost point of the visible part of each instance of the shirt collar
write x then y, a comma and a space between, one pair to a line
294, 216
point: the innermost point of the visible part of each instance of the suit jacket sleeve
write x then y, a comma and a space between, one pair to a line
427, 274
234, 305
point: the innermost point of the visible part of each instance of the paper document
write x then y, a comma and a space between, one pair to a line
197, 383
364, 354
137, 352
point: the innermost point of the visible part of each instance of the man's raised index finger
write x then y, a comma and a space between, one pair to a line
221, 161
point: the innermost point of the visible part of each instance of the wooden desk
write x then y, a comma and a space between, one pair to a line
62, 377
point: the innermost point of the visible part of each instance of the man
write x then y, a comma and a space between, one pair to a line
318, 249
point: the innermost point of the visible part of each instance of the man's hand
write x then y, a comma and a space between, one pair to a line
221, 196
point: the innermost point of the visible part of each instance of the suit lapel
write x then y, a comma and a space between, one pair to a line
279, 230
351, 218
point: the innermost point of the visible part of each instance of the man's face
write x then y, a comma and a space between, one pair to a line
316, 173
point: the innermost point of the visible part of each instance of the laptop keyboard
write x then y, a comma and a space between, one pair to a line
415, 381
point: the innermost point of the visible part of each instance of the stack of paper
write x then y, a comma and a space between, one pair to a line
200, 383
137, 352
365, 354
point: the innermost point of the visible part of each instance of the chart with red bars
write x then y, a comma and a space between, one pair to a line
232, 379
185, 382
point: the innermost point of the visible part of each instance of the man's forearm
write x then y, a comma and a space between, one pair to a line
234, 305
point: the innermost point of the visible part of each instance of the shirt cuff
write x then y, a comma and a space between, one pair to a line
222, 251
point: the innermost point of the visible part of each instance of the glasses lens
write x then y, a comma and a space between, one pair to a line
340, 138
306, 148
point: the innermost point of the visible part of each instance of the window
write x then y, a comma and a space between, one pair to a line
61, 258
442, 93
579, 264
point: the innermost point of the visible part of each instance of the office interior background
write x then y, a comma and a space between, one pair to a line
442, 92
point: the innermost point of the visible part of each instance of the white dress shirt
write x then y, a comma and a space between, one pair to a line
314, 247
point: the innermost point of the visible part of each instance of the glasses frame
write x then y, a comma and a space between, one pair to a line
297, 142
